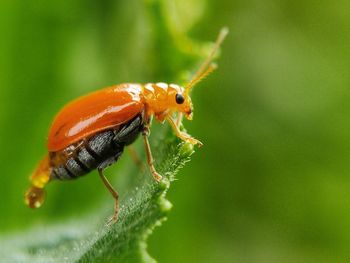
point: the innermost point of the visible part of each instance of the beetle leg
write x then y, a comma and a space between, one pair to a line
135, 157
182, 135
115, 195
179, 119
150, 160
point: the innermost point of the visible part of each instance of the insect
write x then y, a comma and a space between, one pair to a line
91, 132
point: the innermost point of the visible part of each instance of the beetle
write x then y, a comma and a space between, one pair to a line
91, 132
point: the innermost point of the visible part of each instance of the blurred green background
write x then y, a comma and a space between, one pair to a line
271, 184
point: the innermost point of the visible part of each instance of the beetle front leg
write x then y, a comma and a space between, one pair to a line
150, 159
182, 135
179, 119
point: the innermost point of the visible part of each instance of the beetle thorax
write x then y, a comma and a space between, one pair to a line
160, 100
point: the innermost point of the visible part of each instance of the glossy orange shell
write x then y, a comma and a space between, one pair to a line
93, 113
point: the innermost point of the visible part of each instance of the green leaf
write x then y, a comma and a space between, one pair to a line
88, 239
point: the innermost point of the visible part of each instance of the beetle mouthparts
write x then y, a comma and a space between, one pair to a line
189, 114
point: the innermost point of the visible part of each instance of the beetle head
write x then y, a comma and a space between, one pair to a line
163, 99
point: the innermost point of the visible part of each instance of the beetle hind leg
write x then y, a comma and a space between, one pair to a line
115, 195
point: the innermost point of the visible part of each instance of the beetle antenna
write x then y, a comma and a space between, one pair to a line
210, 69
207, 67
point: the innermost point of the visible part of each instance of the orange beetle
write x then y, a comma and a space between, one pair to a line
91, 132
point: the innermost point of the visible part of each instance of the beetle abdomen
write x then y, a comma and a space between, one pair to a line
99, 151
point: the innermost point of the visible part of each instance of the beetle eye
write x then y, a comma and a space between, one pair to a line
179, 98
